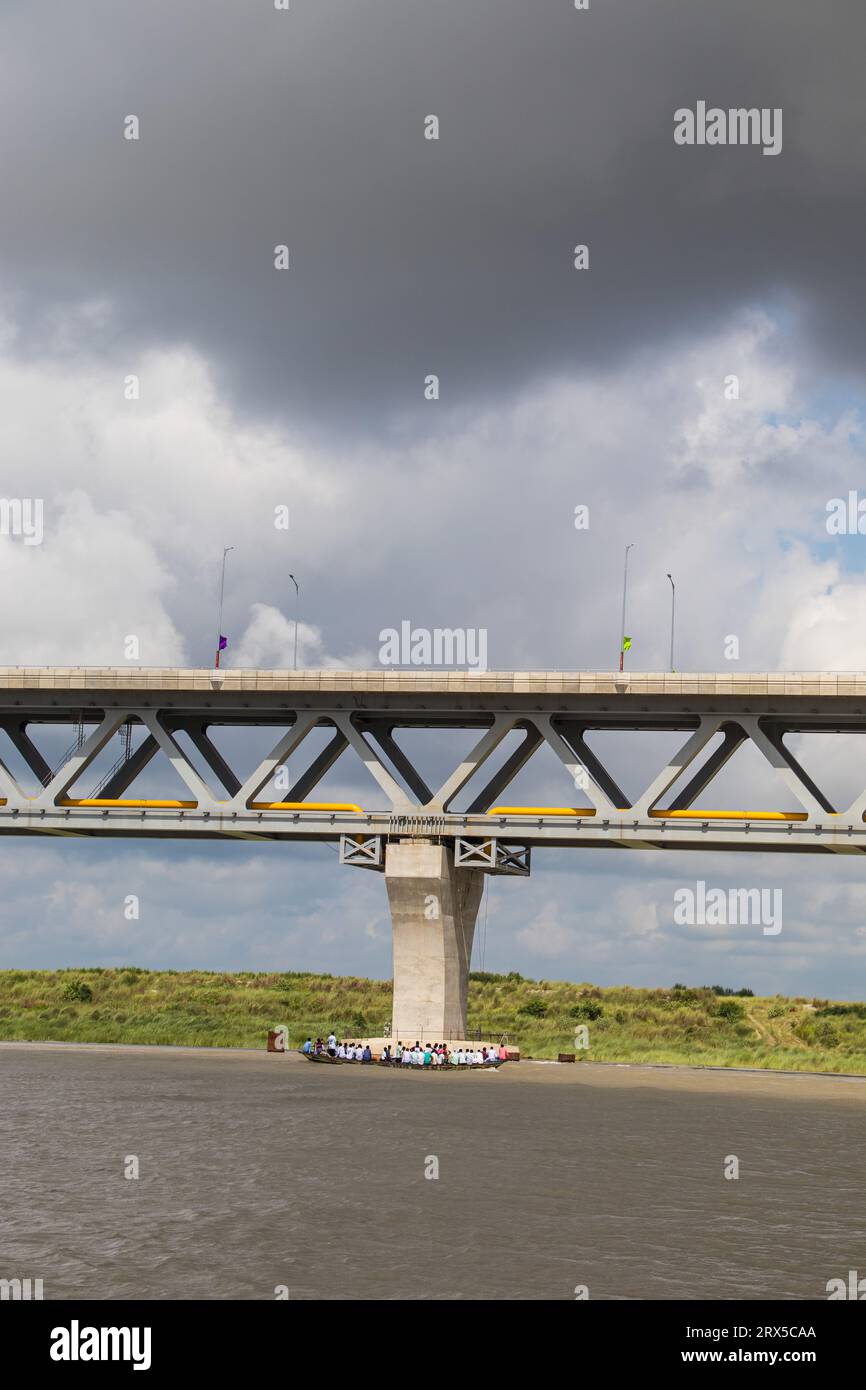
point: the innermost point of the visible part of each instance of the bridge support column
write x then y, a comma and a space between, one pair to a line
433, 911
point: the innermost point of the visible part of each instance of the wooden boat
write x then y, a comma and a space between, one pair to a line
446, 1066
333, 1061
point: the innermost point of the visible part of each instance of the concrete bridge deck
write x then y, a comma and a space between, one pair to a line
736, 685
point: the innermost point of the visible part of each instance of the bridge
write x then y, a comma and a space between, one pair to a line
433, 856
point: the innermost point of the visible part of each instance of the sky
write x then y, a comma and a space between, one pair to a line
152, 260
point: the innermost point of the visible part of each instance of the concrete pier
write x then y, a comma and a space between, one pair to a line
433, 912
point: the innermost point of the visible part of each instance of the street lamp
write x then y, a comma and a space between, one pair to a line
297, 602
673, 611
219, 645
624, 588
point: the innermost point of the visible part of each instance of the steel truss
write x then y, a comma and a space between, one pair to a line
487, 834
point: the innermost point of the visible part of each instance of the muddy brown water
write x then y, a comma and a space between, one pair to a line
258, 1171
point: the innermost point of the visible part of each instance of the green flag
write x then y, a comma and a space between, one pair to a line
626, 643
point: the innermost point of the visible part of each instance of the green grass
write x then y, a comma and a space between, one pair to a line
236, 1009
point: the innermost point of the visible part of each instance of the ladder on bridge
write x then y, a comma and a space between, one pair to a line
48, 777
125, 735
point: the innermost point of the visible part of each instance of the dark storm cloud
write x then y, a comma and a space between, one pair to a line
409, 256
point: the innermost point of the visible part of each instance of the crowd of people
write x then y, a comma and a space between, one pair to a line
345, 1051
438, 1055
421, 1055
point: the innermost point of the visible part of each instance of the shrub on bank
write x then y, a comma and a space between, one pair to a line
536, 1008
588, 1009
78, 991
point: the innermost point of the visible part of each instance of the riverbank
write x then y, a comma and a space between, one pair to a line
615, 1076
677, 1026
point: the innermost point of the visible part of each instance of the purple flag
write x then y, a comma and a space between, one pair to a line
224, 641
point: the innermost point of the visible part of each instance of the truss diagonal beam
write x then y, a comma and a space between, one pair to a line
733, 737
9, 788
797, 779
384, 736
776, 738
286, 746
502, 725
675, 768
127, 773
322, 763
374, 765
583, 767
17, 732
857, 810
576, 738
178, 759
507, 773
213, 757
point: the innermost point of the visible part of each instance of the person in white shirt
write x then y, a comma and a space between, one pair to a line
407, 1056
341, 1050
332, 1041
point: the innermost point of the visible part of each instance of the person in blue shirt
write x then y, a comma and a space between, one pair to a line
308, 1045
366, 1055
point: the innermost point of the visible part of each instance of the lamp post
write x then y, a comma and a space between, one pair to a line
294, 668
673, 611
624, 589
297, 602
220, 620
